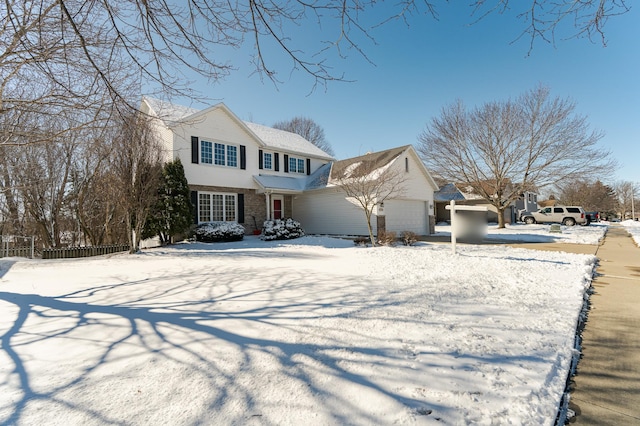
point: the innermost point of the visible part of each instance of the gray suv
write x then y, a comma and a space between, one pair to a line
566, 215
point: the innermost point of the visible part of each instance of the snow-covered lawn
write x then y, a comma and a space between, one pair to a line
313, 331
633, 228
539, 233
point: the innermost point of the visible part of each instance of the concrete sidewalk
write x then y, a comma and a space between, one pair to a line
606, 388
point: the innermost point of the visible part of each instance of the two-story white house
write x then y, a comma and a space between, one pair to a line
246, 172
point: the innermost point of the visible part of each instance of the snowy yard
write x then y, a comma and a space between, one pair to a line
312, 331
633, 228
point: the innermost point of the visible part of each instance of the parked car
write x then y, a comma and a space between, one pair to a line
593, 216
566, 215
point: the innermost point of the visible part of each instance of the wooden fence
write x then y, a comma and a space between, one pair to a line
16, 246
73, 252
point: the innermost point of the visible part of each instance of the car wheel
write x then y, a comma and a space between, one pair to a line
529, 220
569, 221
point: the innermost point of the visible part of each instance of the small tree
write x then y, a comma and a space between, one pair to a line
369, 180
308, 129
171, 214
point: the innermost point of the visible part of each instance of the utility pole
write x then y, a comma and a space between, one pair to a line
633, 210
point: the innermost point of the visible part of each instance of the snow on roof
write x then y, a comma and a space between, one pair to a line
167, 111
283, 183
320, 178
286, 141
273, 138
448, 192
365, 164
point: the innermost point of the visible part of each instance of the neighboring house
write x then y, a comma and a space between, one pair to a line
528, 202
465, 194
246, 172
548, 203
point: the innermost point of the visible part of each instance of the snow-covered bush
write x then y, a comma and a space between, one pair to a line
280, 229
212, 232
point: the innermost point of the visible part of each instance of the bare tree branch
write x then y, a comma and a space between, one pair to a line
502, 149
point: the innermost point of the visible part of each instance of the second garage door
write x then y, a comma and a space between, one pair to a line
406, 215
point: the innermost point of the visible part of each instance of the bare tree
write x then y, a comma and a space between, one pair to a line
502, 149
369, 180
55, 41
594, 196
628, 194
308, 129
136, 164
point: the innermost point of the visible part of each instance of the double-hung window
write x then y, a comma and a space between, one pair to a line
267, 160
206, 152
296, 165
214, 207
232, 156
219, 154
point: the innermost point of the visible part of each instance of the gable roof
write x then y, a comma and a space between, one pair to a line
286, 141
365, 164
166, 111
276, 139
448, 192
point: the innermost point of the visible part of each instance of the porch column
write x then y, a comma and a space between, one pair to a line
267, 196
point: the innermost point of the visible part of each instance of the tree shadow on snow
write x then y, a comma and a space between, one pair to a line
217, 332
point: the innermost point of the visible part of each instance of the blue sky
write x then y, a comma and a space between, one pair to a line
421, 68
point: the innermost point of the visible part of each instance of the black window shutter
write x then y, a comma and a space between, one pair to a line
194, 206
276, 162
286, 163
243, 157
260, 165
308, 166
194, 150
240, 208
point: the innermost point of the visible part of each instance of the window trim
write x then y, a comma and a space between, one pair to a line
211, 214
220, 154
296, 165
267, 165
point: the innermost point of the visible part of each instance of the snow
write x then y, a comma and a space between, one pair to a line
310, 331
633, 228
539, 233
288, 141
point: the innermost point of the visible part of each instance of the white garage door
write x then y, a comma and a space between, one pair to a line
403, 215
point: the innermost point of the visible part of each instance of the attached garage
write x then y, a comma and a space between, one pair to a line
407, 215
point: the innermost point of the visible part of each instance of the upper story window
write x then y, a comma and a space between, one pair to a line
206, 152
267, 158
218, 154
296, 165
